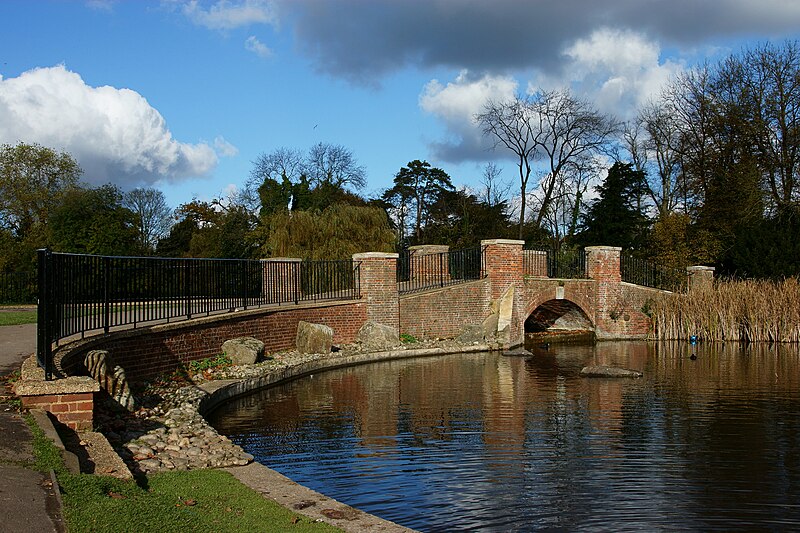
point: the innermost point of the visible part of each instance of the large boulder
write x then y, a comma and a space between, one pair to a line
472, 334
376, 336
111, 378
609, 372
243, 350
314, 338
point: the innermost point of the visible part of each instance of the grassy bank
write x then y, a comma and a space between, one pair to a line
745, 311
198, 500
14, 318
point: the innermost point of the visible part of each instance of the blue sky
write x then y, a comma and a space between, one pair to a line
184, 95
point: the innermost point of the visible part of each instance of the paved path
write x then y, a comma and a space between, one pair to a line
16, 343
27, 499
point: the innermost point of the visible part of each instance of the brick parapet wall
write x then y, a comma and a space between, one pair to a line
152, 351
76, 410
378, 283
445, 312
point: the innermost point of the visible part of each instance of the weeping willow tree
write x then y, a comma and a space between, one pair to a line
337, 232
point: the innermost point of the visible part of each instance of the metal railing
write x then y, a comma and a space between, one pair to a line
79, 294
418, 272
647, 274
17, 287
566, 263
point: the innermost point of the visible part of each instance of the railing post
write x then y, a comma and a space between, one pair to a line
378, 284
699, 277
44, 349
186, 285
106, 294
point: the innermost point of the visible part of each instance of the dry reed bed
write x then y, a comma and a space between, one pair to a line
746, 311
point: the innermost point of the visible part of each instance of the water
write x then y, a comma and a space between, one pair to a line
492, 443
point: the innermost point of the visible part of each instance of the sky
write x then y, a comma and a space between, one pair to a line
183, 95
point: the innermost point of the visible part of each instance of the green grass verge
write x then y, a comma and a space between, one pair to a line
197, 500
14, 318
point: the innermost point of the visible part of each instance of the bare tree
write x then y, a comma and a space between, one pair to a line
569, 133
335, 165
511, 124
495, 190
154, 216
653, 141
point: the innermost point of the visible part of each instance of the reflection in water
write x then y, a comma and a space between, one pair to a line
481, 441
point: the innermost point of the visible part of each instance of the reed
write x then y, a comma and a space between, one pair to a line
744, 311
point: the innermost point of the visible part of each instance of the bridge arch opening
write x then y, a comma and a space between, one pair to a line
558, 317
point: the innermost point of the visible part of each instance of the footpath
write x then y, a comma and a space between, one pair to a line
28, 501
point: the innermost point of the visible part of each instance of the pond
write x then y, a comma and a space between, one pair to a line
493, 443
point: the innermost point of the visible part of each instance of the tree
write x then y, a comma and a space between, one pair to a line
333, 164
614, 218
570, 132
511, 124
495, 190
154, 217
337, 232
416, 187
33, 180
554, 127
458, 219
94, 221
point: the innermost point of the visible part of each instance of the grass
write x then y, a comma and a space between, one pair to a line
744, 311
14, 318
197, 500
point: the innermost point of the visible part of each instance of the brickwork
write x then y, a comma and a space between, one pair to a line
700, 277
504, 270
445, 312
75, 411
149, 352
379, 287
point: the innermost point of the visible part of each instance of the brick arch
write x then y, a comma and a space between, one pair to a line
551, 311
573, 295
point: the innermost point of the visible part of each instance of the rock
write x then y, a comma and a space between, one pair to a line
471, 334
314, 338
243, 350
519, 351
375, 336
609, 372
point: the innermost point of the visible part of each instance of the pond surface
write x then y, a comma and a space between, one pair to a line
492, 443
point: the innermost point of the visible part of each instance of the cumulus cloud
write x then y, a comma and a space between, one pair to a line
227, 15
369, 39
113, 133
617, 70
224, 148
252, 44
456, 105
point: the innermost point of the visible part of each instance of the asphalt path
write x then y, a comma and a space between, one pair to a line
16, 344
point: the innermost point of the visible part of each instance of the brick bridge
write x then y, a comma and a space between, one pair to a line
508, 295
516, 296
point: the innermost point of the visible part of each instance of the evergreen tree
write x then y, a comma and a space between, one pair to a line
615, 217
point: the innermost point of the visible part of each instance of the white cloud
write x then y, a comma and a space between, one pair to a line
456, 104
113, 133
226, 15
252, 44
617, 70
224, 148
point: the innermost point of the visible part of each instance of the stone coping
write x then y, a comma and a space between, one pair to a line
32, 382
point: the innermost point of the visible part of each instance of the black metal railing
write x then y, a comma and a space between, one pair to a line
79, 294
17, 288
567, 263
647, 274
417, 272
